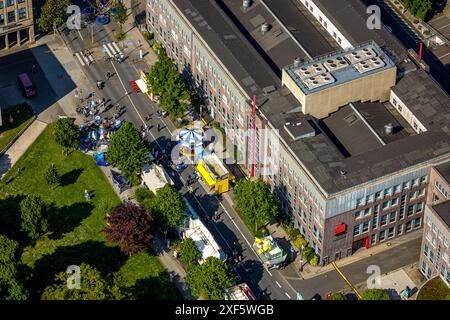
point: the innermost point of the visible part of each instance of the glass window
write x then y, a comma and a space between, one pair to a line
10, 2
423, 179
1, 4
382, 235
377, 195
373, 239
393, 216
22, 13
419, 207
357, 230
11, 16
408, 226
384, 219
2, 18
410, 210
365, 227
394, 202
391, 232
400, 229
398, 188
417, 222
375, 221
385, 204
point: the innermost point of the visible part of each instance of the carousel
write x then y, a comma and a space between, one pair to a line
191, 141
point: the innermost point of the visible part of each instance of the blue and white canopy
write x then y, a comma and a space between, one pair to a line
191, 136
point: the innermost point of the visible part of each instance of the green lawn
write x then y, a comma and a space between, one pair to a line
9, 130
75, 224
434, 289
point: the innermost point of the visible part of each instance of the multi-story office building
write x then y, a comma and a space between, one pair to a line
435, 252
16, 23
349, 169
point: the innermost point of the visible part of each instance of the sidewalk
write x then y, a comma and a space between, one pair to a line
311, 272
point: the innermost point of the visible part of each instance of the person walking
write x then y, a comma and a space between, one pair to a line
108, 75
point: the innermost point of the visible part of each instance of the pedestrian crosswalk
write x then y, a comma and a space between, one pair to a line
112, 49
84, 59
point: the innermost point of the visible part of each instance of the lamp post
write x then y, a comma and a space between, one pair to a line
301, 257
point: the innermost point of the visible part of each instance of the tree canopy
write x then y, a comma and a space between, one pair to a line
189, 252
120, 14
33, 216
375, 294
127, 150
256, 202
131, 227
92, 286
210, 279
67, 134
168, 207
10, 282
165, 80
338, 296
53, 11
51, 176
420, 8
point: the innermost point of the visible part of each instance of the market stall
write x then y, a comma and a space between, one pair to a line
214, 173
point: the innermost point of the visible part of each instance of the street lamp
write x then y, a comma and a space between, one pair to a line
301, 257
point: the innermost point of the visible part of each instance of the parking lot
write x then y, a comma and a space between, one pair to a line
22, 62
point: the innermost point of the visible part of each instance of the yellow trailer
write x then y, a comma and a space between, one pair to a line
214, 173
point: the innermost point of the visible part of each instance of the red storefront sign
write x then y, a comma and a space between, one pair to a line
340, 229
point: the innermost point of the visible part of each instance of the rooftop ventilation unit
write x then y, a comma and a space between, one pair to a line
299, 129
265, 27
336, 63
388, 129
319, 80
356, 56
369, 65
246, 4
310, 70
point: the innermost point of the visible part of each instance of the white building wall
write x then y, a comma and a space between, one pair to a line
327, 24
406, 113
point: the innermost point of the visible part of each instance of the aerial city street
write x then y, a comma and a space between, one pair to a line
224, 150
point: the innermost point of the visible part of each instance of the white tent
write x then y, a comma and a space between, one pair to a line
203, 239
155, 177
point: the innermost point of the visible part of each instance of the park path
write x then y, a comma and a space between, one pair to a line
21, 145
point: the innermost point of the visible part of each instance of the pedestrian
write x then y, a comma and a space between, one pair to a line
191, 190
108, 75
159, 127
33, 69
143, 135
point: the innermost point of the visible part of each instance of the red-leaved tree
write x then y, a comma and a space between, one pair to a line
131, 227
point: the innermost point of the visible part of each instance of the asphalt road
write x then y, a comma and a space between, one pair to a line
410, 40
229, 231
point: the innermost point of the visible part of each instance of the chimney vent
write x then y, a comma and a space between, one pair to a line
388, 128
265, 27
246, 4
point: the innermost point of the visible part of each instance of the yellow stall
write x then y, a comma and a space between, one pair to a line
214, 173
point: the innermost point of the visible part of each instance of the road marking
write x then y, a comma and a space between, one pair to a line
116, 46
346, 280
107, 51
278, 284
80, 35
287, 295
80, 58
111, 47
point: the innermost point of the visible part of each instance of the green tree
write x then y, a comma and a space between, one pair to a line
168, 207
189, 252
51, 176
256, 202
338, 296
127, 151
210, 279
67, 134
420, 8
120, 15
375, 294
33, 216
165, 80
10, 266
53, 11
92, 286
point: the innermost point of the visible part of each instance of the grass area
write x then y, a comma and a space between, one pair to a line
22, 115
75, 224
434, 289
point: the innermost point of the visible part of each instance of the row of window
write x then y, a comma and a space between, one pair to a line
323, 22
414, 121
391, 232
441, 188
9, 3
390, 191
11, 16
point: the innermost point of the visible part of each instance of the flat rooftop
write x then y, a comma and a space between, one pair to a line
350, 17
317, 153
425, 99
339, 67
276, 46
444, 171
443, 211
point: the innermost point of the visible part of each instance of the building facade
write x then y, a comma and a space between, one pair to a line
435, 252
340, 202
16, 23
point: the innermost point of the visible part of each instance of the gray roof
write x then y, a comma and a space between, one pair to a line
425, 98
318, 154
230, 46
444, 171
350, 17
443, 211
